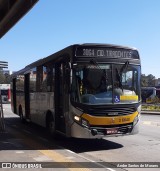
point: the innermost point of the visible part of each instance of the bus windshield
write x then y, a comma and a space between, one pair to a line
96, 84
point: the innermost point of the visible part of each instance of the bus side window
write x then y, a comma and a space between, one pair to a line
20, 84
48, 78
39, 79
44, 81
33, 78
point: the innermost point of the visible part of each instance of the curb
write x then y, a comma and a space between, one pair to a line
145, 112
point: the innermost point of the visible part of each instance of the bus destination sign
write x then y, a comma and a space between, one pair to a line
106, 52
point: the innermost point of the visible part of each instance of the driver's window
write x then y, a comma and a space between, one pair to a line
127, 79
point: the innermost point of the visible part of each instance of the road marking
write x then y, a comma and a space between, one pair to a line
70, 157
147, 122
57, 157
42, 158
151, 123
19, 152
63, 160
97, 163
111, 169
70, 151
101, 166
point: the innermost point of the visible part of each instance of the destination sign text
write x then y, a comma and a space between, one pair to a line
106, 52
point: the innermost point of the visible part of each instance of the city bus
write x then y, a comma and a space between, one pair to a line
150, 94
5, 93
82, 91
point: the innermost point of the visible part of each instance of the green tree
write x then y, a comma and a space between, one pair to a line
151, 80
7, 78
143, 81
147, 81
4, 78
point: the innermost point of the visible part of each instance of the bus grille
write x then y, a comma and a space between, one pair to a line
112, 111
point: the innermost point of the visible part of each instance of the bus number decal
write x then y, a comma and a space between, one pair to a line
125, 119
88, 52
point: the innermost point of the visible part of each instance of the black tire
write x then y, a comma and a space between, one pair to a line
21, 115
51, 126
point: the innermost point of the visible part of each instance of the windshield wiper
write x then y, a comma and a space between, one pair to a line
124, 67
94, 62
119, 73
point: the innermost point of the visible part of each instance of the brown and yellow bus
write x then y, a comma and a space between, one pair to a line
82, 91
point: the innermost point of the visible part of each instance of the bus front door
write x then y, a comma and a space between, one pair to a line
61, 96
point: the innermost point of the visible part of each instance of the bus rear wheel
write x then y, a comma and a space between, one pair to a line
21, 115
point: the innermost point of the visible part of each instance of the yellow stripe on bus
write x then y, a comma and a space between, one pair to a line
114, 120
128, 97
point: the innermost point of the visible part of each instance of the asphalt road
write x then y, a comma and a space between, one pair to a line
30, 143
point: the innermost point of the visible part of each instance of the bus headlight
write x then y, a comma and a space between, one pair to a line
136, 119
81, 121
77, 118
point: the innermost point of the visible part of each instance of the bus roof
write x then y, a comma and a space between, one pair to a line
68, 51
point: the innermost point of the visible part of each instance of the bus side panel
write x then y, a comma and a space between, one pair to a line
33, 107
20, 101
43, 102
13, 96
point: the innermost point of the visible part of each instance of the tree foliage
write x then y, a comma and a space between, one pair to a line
147, 81
4, 78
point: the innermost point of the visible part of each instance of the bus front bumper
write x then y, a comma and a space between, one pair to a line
79, 131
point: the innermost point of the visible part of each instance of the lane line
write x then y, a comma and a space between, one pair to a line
151, 123
147, 122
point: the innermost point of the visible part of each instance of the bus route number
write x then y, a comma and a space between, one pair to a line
88, 52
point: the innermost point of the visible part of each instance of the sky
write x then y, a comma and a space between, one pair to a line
52, 25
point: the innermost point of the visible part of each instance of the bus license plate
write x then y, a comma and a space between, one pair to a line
112, 131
